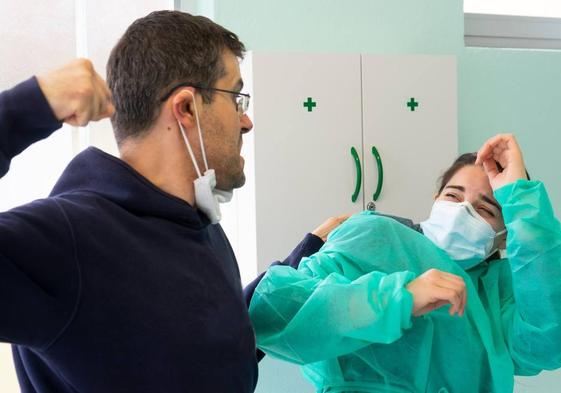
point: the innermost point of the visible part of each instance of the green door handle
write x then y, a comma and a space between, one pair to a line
380, 173
358, 174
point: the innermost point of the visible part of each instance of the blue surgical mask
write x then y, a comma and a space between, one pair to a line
461, 232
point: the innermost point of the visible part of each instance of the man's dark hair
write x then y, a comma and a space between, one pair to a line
156, 52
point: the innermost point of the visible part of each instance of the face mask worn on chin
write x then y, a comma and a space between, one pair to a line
461, 232
207, 196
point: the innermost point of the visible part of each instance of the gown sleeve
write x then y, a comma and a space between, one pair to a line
531, 310
305, 315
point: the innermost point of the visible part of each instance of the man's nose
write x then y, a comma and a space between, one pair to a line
246, 123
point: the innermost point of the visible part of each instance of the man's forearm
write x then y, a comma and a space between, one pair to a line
25, 118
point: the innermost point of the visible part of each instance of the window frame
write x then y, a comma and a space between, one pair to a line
508, 31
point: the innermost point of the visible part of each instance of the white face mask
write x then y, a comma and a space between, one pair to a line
460, 231
207, 197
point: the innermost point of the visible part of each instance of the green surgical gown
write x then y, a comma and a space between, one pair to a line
346, 317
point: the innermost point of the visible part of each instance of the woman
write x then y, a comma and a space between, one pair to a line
366, 313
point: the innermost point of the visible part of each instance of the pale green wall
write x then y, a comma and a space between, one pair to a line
499, 90
391, 26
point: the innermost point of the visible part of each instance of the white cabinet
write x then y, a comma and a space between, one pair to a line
410, 117
307, 115
309, 111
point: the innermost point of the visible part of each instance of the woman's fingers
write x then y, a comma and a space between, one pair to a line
435, 288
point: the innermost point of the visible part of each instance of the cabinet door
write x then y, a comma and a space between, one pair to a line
410, 116
307, 116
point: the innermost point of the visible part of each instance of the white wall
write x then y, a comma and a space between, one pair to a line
38, 36
32, 44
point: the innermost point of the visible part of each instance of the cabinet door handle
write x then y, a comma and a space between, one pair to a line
358, 174
380, 173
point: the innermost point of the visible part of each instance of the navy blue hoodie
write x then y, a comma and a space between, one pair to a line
111, 284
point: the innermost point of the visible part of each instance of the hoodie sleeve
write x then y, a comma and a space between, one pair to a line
39, 275
25, 118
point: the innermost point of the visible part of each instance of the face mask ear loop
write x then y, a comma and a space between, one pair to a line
476, 215
471, 210
495, 249
189, 148
200, 132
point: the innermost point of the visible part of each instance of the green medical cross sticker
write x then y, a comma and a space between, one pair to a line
412, 104
310, 104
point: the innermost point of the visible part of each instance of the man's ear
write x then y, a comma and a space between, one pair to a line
183, 107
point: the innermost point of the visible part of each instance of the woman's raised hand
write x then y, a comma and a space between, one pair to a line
504, 150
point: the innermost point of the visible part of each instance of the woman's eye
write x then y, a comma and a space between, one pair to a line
486, 212
452, 196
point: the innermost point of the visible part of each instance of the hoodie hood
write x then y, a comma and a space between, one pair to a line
111, 178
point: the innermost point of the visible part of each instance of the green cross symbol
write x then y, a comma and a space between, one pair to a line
310, 104
412, 104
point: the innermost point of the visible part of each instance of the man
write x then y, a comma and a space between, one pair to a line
118, 281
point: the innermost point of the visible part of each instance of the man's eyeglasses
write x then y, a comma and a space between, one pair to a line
242, 99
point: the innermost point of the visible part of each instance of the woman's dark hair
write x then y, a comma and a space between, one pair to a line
460, 162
